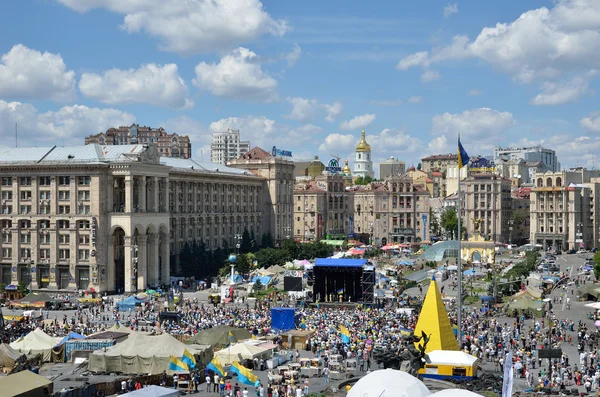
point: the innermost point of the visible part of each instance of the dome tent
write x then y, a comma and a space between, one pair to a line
455, 393
389, 382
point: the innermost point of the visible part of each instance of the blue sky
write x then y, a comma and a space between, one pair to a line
307, 76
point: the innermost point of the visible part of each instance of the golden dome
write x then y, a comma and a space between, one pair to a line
346, 170
363, 146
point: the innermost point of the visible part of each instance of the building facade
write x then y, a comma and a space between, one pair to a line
393, 211
363, 164
322, 209
115, 218
391, 167
227, 146
439, 162
533, 154
169, 145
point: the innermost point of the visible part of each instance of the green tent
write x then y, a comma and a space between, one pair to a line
219, 336
35, 297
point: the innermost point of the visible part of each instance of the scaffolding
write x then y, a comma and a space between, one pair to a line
368, 284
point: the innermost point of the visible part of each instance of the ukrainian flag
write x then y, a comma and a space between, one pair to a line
244, 375
189, 359
345, 334
463, 157
405, 331
215, 366
177, 365
231, 337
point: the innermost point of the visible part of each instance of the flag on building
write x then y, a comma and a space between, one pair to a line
244, 375
189, 359
463, 157
177, 365
216, 366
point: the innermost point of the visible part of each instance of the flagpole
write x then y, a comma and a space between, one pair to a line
459, 259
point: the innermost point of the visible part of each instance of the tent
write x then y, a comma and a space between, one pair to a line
8, 356
219, 336
35, 297
153, 391
390, 383
71, 335
128, 303
240, 352
139, 354
455, 393
264, 280
283, 318
36, 342
26, 384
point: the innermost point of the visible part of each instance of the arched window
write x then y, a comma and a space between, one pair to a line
548, 182
540, 182
359, 156
559, 182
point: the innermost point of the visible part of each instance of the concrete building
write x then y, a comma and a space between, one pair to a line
116, 217
169, 145
393, 211
486, 199
363, 164
439, 162
278, 174
534, 154
227, 146
308, 169
322, 209
391, 167
562, 209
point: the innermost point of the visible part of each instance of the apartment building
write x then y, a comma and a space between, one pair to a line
391, 167
439, 162
169, 145
227, 146
114, 218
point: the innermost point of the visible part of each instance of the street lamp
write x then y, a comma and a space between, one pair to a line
510, 230
579, 234
134, 278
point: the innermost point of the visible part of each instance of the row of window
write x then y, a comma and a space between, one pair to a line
46, 180
25, 238
63, 195
45, 224
44, 253
45, 210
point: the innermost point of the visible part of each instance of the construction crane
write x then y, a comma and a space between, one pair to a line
338, 158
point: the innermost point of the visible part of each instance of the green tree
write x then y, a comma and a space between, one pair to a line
364, 180
434, 223
186, 261
257, 286
246, 243
419, 166
267, 240
597, 265
449, 222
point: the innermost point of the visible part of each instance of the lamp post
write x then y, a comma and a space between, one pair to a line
134, 277
233, 258
579, 234
510, 230
287, 231
371, 231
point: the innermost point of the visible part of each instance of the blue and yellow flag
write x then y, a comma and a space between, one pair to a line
177, 365
189, 359
244, 375
345, 334
215, 366
230, 337
405, 331
463, 157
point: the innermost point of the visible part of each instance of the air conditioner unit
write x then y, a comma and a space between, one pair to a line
3, 202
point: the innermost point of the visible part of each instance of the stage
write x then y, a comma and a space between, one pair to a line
338, 280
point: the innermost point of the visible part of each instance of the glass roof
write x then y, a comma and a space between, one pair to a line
441, 250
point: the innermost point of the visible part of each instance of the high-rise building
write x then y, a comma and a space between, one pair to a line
169, 145
227, 146
363, 165
439, 162
533, 154
391, 167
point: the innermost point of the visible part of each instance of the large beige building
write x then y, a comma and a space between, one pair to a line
169, 145
486, 199
116, 217
322, 208
563, 213
439, 162
394, 211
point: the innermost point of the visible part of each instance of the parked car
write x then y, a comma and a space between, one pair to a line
571, 251
582, 251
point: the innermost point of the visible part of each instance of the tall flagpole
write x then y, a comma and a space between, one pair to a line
459, 259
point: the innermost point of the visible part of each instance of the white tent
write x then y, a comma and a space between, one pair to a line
153, 391
455, 393
8, 355
241, 351
36, 342
451, 357
139, 354
389, 383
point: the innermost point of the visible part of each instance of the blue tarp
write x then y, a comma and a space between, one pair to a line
405, 262
341, 262
486, 298
264, 280
128, 303
71, 335
283, 318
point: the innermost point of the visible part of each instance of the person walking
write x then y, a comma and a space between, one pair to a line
175, 381
326, 374
207, 383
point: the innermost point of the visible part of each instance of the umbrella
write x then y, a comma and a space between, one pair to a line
151, 292
597, 323
142, 296
469, 272
594, 305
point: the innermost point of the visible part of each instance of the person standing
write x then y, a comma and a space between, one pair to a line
326, 374
216, 383
175, 381
208, 383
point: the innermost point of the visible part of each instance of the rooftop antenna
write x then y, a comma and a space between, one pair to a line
201, 155
16, 134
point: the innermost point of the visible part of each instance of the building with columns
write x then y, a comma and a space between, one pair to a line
363, 164
116, 217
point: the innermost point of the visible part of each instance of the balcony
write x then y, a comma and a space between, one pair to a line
402, 231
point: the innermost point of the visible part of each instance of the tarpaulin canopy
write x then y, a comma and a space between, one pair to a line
240, 352
26, 384
342, 262
35, 297
128, 303
8, 355
264, 280
36, 342
219, 336
153, 391
71, 335
283, 318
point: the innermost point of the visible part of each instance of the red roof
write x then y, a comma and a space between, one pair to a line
256, 153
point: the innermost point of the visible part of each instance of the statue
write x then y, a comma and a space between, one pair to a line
410, 360
477, 224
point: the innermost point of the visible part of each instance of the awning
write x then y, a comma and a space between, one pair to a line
334, 242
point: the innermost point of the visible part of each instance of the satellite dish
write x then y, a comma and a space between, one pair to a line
519, 176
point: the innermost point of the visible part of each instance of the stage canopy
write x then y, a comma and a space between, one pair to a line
341, 262
240, 352
283, 318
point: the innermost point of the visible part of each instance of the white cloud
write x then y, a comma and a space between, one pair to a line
474, 92
191, 26
333, 110
238, 76
572, 151
415, 99
591, 122
562, 92
397, 102
259, 130
151, 83
430, 75
392, 141
303, 109
450, 9
29, 74
358, 122
438, 145
338, 144
293, 56
484, 124
69, 122
541, 45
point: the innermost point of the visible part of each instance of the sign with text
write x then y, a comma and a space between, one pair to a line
280, 153
333, 166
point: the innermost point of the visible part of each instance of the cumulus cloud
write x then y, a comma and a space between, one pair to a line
415, 99
358, 122
591, 122
30, 74
450, 9
474, 92
303, 109
572, 151
417, 59
397, 102
562, 92
293, 56
151, 83
192, 26
238, 75
483, 123
69, 122
438, 145
430, 75
338, 143
333, 110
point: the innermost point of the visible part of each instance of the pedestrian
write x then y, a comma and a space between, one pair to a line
216, 383
208, 383
175, 381
326, 374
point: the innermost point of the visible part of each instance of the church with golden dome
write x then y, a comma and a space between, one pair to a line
363, 165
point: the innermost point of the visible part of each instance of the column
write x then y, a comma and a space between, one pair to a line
152, 259
128, 195
142, 270
128, 265
110, 190
110, 266
142, 194
155, 193
166, 259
